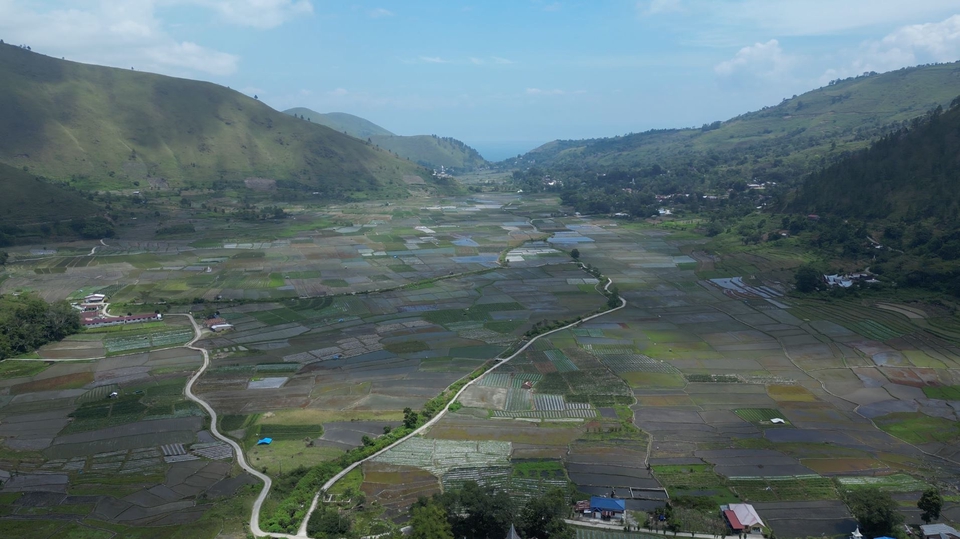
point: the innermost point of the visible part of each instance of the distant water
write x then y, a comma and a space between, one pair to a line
498, 150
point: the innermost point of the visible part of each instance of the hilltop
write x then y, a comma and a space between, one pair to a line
104, 128
775, 143
426, 150
354, 126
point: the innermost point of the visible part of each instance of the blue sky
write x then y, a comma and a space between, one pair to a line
500, 74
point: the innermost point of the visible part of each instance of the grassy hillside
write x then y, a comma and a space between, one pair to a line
427, 150
28, 200
354, 126
782, 139
105, 128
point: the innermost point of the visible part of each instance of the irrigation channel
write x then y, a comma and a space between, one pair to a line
267, 483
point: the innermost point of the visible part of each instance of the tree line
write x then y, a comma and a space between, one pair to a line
27, 322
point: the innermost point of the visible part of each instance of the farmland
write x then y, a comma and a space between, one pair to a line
714, 384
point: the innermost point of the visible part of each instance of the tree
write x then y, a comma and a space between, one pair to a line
875, 511
807, 278
575, 254
930, 503
614, 300
329, 522
476, 512
4, 256
542, 517
410, 418
429, 521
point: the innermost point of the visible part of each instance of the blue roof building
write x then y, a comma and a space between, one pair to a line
599, 504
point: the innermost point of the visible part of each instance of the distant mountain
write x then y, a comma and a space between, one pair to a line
775, 143
427, 150
105, 128
354, 126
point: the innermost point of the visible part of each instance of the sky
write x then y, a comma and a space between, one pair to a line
501, 75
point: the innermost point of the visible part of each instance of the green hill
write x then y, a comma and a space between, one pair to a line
432, 151
29, 200
427, 150
105, 128
33, 208
910, 175
775, 143
902, 191
354, 126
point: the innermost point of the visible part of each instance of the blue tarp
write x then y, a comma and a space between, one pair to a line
598, 503
265, 441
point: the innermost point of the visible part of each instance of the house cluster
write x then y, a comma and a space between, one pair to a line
99, 320
848, 279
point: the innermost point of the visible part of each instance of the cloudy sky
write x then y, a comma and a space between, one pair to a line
502, 75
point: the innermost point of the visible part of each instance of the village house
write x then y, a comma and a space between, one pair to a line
742, 518
216, 324
606, 508
938, 531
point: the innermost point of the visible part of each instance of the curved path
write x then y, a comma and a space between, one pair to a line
302, 531
241, 460
267, 482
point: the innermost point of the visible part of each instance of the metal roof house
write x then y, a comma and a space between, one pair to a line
607, 507
939, 531
742, 517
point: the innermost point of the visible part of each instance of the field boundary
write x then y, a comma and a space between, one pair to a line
302, 532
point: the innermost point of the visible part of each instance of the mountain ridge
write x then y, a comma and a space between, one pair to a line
426, 150
847, 112
103, 128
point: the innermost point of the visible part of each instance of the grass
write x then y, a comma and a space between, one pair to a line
20, 369
950, 393
917, 428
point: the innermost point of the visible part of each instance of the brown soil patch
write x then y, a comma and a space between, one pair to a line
67, 381
790, 394
841, 465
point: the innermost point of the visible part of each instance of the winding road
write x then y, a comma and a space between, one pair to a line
267, 482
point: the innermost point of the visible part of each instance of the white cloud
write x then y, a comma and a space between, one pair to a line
502, 61
552, 7
121, 34
380, 13
433, 60
818, 17
338, 92
907, 46
193, 57
261, 14
476, 61
760, 59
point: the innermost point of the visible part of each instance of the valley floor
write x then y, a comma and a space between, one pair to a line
708, 384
